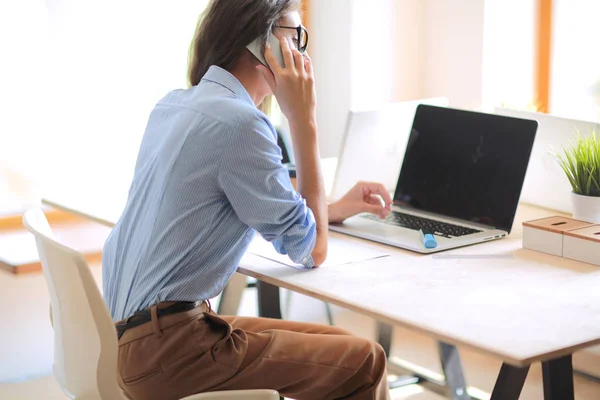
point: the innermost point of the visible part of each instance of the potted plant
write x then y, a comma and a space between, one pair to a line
581, 164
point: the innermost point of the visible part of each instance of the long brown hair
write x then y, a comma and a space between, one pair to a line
226, 27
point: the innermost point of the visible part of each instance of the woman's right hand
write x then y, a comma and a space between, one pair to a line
293, 84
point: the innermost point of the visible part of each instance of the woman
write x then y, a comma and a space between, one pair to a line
208, 176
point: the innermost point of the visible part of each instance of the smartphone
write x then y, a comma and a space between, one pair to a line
256, 49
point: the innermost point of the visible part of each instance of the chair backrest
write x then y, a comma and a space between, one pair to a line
85, 341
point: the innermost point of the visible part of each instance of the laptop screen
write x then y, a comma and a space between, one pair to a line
465, 165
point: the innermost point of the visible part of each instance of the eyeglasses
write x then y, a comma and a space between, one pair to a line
301, 36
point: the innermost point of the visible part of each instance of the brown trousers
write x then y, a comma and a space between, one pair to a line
197, 351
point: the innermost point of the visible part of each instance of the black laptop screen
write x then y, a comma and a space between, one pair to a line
466, 165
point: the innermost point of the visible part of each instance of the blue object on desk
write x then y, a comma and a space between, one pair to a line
428, 239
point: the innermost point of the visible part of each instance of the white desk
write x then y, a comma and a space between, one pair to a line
524, 308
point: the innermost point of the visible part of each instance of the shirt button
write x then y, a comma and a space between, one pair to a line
304, 259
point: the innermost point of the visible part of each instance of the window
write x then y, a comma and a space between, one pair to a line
509, 54
23, 43
575, 60
85, 77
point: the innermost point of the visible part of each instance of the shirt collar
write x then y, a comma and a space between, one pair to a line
222, 77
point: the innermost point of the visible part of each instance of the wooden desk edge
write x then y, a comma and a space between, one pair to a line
505, 357
78, 213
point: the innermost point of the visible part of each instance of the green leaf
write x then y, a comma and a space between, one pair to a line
581, 164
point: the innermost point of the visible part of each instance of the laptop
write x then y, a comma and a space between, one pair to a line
546, 185
374, 143
461, 179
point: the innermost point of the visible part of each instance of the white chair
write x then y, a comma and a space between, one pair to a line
85, 338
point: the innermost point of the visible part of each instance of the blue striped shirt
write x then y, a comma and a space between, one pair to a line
208, 176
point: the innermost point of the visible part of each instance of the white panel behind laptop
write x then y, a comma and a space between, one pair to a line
374, 144
545, 184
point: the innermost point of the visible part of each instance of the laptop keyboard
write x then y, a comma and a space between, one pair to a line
416, 223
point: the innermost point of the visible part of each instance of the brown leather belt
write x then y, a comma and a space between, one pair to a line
144, 316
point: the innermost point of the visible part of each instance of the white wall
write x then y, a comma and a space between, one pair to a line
399, 50
478, 53
365, 52
454, 51
575, 65
408, 48
110, 64
78, 80
509, 53
371, 53
329, 47
357, 59
23, 100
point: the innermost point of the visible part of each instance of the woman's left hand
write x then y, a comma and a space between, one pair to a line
363, 197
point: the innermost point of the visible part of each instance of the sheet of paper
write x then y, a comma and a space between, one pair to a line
339, 252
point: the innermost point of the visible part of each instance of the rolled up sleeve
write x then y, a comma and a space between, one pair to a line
259, 189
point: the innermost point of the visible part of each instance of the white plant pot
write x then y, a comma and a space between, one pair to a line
586, 208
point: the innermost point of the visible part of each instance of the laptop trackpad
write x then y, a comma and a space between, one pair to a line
377, 229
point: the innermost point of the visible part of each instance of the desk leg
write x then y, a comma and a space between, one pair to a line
455, 381
558, 379
384, 336
268, 300
453, 372
509, 383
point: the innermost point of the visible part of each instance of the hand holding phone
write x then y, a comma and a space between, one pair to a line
256, 49
290, 78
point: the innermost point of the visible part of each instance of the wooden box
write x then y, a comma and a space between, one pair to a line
546, 234
583, 244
